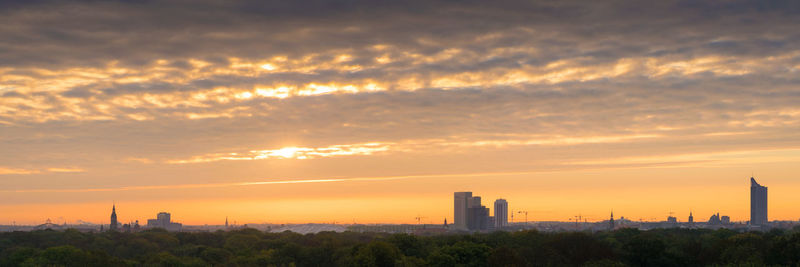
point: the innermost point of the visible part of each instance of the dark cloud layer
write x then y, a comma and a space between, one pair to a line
59, 33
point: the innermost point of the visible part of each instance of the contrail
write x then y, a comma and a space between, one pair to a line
297, 181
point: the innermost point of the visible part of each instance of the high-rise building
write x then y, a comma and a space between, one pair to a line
478, 218
164, 217
460, 209
474, 202
113, 225
164, 220
500, 213
468, 212
475, 213
758, 203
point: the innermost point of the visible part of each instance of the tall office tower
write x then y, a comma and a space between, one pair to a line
474, 213
460, 208
500, 213
113, 225
164, 216
474, 202
164, 220
483, 218
758, 203
478, 218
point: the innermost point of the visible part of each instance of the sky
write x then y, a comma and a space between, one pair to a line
377, 111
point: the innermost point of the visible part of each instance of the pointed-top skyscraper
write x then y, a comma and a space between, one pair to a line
758, 203
113, 225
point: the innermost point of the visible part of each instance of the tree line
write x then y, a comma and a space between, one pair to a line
251, 247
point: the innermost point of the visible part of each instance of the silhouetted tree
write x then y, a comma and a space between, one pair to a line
377, 254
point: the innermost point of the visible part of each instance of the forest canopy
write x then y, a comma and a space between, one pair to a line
251, 247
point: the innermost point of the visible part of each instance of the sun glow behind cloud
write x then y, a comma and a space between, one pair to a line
412, 146
292, 153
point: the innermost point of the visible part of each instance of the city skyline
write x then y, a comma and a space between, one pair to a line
377, 111
470, 215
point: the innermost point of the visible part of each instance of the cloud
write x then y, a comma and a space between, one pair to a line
18, 171
5, 170
292, 153
413, 146
65, 170
108, 85
257, 183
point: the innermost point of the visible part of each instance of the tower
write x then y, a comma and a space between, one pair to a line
477, 214
611, 221
460, 208
113, 225
500, 213
226, 221
691, 218
758, 203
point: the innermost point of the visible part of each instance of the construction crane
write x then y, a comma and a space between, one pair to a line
526, 215
418, 218
577, 221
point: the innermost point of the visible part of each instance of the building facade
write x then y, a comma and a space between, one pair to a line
164, 220
500, 213
758, 203
460, 209
469, 214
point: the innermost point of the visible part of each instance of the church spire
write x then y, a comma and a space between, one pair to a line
113, 225
611, 221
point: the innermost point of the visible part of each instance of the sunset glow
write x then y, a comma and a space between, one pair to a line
377, 113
